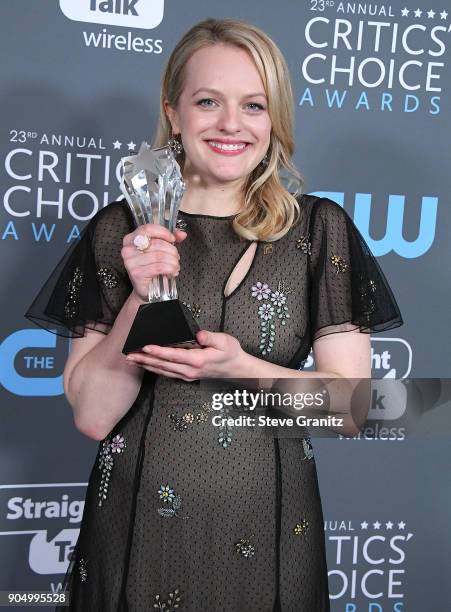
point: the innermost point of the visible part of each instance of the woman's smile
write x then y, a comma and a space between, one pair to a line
227, 147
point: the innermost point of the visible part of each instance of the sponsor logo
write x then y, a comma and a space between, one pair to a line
393, 239
390, 358
27, 352
367, 563
143, 14
374, 57
48, 515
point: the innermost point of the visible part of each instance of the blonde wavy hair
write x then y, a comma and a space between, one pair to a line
269, 209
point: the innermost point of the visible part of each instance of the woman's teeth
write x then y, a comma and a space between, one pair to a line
227, 147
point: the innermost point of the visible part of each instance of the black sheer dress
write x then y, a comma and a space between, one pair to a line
180, 514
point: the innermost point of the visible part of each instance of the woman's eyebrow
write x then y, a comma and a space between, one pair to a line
215, 92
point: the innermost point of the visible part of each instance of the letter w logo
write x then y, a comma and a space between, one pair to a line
393, 239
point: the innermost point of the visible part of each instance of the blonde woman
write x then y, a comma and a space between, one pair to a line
181, 514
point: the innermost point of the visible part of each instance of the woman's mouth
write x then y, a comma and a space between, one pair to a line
227, 148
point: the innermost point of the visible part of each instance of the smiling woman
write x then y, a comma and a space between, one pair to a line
181, 513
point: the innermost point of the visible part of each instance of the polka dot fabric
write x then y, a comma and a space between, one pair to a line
195, 517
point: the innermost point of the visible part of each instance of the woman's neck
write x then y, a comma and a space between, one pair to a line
220, 200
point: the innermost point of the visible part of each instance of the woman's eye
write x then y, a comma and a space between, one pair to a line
255, 106
207, 102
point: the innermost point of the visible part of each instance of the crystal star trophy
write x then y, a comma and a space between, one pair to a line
153, 188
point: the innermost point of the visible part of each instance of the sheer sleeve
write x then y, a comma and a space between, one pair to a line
348, 288
89, 284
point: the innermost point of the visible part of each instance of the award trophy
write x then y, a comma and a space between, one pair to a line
153, 187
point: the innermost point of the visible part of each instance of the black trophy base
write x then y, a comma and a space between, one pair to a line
167, 323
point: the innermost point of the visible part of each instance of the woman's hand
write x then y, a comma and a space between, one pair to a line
161, 257
221, 356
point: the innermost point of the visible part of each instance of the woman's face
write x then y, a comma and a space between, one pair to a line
222, 116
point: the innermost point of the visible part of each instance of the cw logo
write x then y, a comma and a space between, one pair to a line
15, 382
393, 239
143, 14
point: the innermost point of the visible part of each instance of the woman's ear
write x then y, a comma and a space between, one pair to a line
172, 115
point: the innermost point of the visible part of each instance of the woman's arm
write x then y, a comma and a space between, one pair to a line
99, 382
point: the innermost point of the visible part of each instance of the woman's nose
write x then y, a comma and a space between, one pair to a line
230, 119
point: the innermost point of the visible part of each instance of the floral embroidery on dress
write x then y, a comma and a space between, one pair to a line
82, 570
301, 527
172, 603
108, 278
303, 243
181, 224
172, 500
245, 547
339, 263
225, 432
73, 293
110, 447
275, 309
367, 291
308, 448
195, 309
183, 422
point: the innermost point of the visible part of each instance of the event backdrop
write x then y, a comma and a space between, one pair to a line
79, 90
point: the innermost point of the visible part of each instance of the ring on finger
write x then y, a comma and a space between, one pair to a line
142, 242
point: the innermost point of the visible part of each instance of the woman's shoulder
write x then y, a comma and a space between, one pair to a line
114, 219
319, 205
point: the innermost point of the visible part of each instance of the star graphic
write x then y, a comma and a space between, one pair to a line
431, 14
389, 525
131, 145
443, 15
401, 525
405, 12
377, 525
364, 525
418, 13
117, 144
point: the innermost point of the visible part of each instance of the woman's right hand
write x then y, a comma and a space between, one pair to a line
161, 257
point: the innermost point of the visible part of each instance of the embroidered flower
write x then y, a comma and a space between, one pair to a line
225, 432
301, 527
181, 224
303, 243
195, 309
261, 291
118, 444
181, 423
73, 293
266, 312
166, 493
308, 448
172, 602
108, 278
339, 263
168, 496
245, 547
106, 463
82, 570
277, 309
278, 298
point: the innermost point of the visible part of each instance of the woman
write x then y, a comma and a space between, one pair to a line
180, 514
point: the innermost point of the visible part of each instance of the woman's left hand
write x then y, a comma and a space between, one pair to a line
221, 356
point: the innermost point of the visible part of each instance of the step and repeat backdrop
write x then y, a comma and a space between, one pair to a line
79, 90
